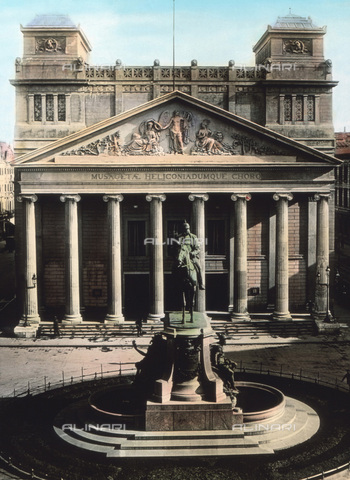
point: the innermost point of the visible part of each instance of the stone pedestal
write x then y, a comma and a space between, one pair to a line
198, 415
187, 375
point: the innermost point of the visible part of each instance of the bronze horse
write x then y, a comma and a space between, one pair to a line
186, 279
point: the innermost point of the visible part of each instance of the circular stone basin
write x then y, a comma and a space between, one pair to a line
259, 401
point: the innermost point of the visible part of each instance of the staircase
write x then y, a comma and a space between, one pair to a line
221, 324
297, 424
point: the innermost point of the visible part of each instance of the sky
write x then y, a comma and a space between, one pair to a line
138, 32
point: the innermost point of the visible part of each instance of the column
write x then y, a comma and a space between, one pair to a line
240, 309
311, 250
31, 107
322, 258
294, 97
282, 277
157, 271
30, 310
271, 293
115, 305
68, 109
43, 108
281, 109
231, 270
305, 108
198, 227
72, 314
317, 110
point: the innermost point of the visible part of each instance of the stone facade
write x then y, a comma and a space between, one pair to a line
6, 186
342, 210
58, 92
132, 158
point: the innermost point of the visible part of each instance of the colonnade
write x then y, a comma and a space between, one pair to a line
238, 256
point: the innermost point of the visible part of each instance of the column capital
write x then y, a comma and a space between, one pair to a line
200, 196
161, 197
118, 197
244, 196
279, 196
318, 196
31, 198
73, 198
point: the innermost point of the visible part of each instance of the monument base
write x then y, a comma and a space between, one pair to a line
200, 415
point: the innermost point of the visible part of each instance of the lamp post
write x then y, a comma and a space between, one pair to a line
33, 285
328, 317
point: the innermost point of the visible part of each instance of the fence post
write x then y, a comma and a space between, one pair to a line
101, 371
62, 378
82, 374
45, 383
120, 368
71, 380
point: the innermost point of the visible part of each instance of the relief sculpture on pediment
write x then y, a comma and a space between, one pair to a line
174, 133
108, 145
209, 143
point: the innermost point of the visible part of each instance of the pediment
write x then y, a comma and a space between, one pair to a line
177, 129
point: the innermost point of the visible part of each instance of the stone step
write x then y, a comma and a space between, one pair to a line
297, 424
292, 328
194, 452
167, 442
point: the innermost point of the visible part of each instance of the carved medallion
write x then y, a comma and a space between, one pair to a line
50, 45
297, 47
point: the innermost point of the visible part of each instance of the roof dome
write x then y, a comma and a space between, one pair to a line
291, 21
51, 21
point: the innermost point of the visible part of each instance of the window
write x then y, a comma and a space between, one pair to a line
287, 108
50, 114
310, 108
136, 238
49, 108
216, 237
61, 108
37, 108
299, 110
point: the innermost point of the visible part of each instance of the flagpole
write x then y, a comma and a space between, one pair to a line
174, 45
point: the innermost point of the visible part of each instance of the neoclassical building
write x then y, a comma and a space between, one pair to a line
137, 150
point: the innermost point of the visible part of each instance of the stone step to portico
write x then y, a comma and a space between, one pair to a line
254, 328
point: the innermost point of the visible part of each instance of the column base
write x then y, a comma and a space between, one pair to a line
69, 319
281, 316
240, 317
29, 331
155, 317
114, 319
30, 320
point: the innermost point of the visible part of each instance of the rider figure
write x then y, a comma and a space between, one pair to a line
191, 241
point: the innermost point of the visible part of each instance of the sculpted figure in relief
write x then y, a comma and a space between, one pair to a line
205, 142
179, 125
147, 141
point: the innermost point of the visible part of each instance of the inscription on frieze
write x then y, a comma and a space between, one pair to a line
168, 176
